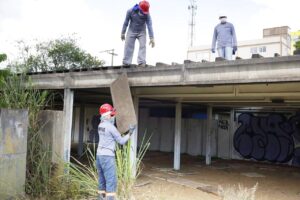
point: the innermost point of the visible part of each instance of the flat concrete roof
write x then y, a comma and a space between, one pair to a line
261, 70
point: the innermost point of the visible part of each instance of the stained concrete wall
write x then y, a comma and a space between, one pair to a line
161, 129
13, 148
193, 135
52, 133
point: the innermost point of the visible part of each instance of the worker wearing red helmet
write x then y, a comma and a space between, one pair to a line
105, 161
137, 18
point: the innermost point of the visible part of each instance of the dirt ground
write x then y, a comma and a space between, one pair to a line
197, 181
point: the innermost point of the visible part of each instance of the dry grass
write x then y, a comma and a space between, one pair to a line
237, 192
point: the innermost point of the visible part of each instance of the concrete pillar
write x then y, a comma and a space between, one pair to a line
13, 150
134, 137
68, 116
208, 136
177, 140
81, 130
231, 133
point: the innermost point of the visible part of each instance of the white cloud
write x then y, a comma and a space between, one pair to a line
278, 13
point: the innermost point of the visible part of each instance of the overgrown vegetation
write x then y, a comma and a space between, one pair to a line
17, 92
81, 180
237, 192
54, 55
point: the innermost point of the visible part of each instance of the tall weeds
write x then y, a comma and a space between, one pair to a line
80, 182
17, 92
125, 169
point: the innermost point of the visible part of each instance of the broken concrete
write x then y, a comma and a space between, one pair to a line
123, 103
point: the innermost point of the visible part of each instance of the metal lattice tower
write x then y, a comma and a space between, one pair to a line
192, 8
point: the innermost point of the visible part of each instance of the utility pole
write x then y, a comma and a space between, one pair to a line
192, 8
112, 53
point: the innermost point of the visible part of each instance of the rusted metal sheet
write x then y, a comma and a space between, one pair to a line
122, 100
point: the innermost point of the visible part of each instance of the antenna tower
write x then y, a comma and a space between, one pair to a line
192, 8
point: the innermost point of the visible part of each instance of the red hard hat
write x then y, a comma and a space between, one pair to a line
144, 5
105, 108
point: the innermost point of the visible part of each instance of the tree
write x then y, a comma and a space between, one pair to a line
59, 54
297, 46
3, 57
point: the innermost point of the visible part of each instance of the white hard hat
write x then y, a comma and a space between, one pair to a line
222, 14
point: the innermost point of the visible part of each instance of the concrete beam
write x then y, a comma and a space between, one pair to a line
264, 70
208, 136
68, 116
177, 141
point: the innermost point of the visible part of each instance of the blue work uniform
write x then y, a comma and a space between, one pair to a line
137, 22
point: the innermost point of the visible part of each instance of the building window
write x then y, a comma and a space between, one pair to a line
253, 50
262, 49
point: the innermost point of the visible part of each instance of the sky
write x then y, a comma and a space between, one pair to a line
97, 24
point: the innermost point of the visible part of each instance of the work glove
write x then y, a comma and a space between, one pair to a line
123, 37
234, 48
131, 129
213, 51
152, 43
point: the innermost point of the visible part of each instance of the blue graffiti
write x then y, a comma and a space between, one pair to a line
271, 138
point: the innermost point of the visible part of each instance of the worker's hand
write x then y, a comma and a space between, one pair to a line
123, 37
234, 48
131, 129
152, 43
213, 51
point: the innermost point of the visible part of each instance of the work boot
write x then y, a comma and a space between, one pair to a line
142, 65
110, 198
126, 65
101, 197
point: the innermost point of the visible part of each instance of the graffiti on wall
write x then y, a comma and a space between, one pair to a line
223, 124
272, 138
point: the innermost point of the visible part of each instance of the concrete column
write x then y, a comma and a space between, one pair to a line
231, 133
68, 115
208, 135
134, 136
81, 130
177, 140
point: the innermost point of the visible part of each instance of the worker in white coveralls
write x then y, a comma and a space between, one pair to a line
137, 18
224, 35
105, 161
